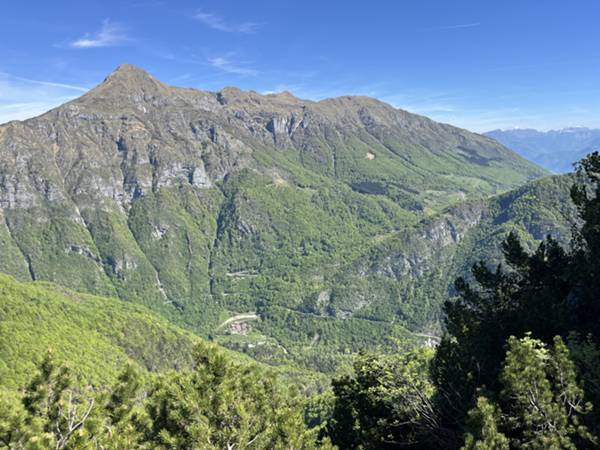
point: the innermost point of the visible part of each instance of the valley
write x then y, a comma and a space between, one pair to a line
345, 219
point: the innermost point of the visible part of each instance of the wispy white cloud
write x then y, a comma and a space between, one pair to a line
71, 87
22, 98
216, 22
109, 35
225, 64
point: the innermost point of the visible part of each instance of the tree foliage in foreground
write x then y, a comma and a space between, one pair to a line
385, 403
542, 404
217, 405
551, 292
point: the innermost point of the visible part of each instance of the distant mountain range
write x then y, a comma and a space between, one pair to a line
555, 150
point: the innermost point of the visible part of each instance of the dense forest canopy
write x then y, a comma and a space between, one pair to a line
217, 404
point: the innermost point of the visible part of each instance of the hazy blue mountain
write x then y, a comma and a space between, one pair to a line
555, 150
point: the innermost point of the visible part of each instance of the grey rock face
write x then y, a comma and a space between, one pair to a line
125, 191
133, 134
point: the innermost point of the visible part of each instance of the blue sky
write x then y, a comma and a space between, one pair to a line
476, 64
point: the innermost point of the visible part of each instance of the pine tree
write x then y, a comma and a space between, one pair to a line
385, 403
53, 414
483, 419
545, 401
222, 405
551, 292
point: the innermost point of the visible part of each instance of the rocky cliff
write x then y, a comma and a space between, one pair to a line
202, 205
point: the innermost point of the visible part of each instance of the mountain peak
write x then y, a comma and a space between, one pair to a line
129, 68
127, 81
129, 72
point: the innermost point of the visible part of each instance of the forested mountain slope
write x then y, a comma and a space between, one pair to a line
517, 366
411, 273
80, 371
95, 336
203, 206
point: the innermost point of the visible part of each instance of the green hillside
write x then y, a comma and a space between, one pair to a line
204, 206
411, 273
82, 371
96, 336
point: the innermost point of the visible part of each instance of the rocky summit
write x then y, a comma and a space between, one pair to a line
249, 217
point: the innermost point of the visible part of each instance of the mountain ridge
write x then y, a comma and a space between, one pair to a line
202, 205
122, 90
